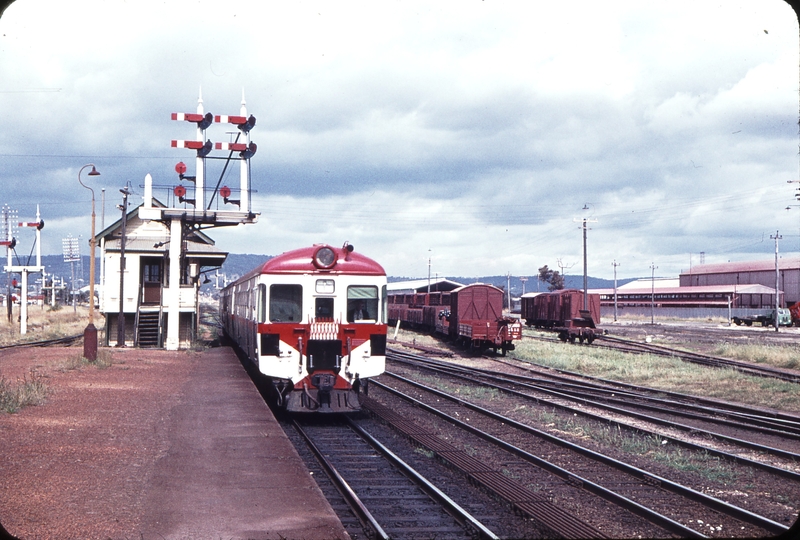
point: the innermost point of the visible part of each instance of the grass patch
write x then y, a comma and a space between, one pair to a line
783, 356
31, 390
424, 451
78, 361
663, 373
45, 322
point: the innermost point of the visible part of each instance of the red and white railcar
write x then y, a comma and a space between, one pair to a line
313, 321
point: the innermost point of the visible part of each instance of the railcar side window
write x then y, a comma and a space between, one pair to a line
385, 304
261, 302
285, 303
362, 303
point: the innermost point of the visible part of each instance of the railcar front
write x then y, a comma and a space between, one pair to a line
317, 319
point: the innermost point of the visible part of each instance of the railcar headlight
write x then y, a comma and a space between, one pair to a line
324, 257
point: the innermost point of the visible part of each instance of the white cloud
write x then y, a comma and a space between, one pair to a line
475, 129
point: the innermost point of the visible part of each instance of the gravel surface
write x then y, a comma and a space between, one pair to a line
75, 466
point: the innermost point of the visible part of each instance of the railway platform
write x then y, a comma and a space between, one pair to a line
157, 445
230, 472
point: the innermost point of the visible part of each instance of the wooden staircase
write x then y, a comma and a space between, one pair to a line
148, 328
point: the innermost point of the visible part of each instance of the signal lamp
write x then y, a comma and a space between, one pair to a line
207, 120
248, 125
205, 150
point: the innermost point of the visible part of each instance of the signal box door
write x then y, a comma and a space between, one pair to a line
152, 279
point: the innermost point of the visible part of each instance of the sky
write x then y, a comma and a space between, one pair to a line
471, 137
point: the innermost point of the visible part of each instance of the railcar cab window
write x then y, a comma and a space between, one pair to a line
323, 308
285, 303
362, 303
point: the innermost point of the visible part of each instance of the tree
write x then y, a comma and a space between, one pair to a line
553, 278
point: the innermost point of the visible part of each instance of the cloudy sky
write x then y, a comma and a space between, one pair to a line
476, 133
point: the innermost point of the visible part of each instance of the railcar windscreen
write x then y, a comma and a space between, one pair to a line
285, 303
362, 303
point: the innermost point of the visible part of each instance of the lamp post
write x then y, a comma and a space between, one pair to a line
90, 333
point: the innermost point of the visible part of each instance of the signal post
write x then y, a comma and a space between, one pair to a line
197, 213
23, 270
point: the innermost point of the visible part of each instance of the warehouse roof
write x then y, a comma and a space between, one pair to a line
792, 263
421, 285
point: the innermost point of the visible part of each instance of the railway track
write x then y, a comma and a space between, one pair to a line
68, 340
663, 502
747, 427
388, 497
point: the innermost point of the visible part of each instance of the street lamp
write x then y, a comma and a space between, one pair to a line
793, 205
90, 333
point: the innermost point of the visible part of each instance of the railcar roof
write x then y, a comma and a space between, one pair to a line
300, 261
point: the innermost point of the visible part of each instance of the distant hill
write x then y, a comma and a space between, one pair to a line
533, 284
238, 264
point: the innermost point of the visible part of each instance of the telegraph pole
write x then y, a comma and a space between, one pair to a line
508, 290
585, 267
429, 271
653, 293
121, 315
777, 279
615, 264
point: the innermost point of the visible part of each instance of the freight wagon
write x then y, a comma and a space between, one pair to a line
471, 316
563, 311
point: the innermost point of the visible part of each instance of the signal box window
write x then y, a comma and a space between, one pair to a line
285, 303
323, 309
362, 303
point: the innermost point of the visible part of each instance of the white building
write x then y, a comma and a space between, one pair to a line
145, 282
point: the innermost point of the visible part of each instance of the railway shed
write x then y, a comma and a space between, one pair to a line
422, 285
749, 273
711, 296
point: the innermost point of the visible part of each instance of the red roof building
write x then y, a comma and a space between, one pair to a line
749, 273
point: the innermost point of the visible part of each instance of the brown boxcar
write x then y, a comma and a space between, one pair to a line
471, 315
563, 312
